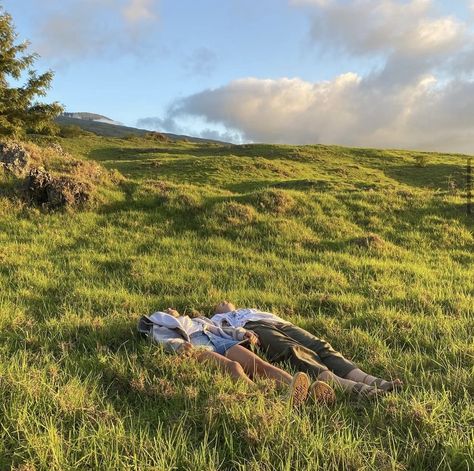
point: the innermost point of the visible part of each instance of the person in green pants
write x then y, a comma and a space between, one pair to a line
284, 341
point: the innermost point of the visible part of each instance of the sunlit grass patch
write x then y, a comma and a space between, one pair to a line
364, 248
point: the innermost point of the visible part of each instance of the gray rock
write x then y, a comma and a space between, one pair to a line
58, 148
14, 158
52, 192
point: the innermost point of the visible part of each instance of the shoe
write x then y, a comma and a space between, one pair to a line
298, 390
321, 393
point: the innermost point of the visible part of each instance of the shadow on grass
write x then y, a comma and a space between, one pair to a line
296, 185
157, 210
141, 161
432, 176
189, 167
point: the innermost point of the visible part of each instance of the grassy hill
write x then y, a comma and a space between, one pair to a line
276, 227
114, 130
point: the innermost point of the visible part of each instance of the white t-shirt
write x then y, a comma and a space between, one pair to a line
240, 317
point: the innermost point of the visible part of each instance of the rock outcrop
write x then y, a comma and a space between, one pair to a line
53, 192
14, 158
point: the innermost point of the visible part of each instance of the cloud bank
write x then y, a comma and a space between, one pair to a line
418, 94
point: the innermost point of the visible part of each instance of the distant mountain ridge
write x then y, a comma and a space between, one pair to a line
103, 126
91, 117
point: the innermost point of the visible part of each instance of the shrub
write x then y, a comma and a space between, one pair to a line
71, 130
156, 136
44, 141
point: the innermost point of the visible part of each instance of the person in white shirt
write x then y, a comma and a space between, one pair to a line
220, 347
283, 341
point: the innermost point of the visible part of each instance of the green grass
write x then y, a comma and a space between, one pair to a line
265, 226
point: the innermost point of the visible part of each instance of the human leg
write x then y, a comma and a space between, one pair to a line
280, 347
335, 361
361, 390
360, 376
256, 366
253, 366
233, 368
329, 357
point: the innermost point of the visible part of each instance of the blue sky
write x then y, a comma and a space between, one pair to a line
383, 73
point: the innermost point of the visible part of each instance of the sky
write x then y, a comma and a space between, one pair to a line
367, 73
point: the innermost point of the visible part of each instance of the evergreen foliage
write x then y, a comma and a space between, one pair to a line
20, 112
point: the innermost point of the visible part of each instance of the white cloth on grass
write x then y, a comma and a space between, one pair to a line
173, 332
240, 317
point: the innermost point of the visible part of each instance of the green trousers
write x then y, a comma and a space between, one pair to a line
305, 352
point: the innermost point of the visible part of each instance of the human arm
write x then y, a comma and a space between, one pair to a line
240, 333
252, 337
185, 349
172, 312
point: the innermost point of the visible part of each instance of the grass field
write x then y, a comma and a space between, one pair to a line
273, 227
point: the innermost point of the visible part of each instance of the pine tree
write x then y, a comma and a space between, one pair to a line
20, 112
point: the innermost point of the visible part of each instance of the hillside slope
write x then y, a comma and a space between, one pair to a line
116, 130
371, 250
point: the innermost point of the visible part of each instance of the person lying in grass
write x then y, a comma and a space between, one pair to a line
283, 341
223, 348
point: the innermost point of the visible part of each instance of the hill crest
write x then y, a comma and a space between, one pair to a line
110, 129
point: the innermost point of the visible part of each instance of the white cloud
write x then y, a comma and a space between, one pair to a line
433, 35
419, 94
137, 11
344, 111
196, 129
79, 28
365, 27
